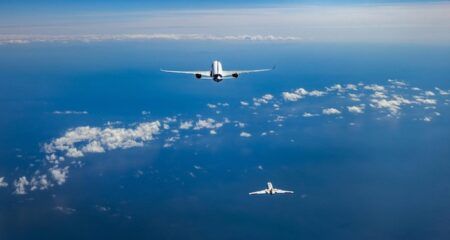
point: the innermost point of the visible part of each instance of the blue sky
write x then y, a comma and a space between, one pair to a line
183, 3
311, 21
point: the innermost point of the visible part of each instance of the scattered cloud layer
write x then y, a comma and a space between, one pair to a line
271, 111
24, 39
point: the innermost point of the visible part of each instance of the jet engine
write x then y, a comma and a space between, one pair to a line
235, 75
198, 75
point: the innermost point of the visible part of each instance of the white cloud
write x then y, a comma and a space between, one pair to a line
186, 125
375, 88
429, 93
20, 185
225, 104
65, 210
316, 93
307, 114
428, 101
2, 182
243, 103
268, 97
299, 94
170, 119
336, 87
93, 147
354, 97
279, 118
301, 91
211, 105
393, 105
442, 92
239, 124
287, 96
356, 109
427, 119
198, 167
80, 140
52, 158
397, 82
60, 174
74, 153
378, 95
167, 144
331, 111
212, 132
171, 140
39, 182
68, 112
262, 100
245, 134
352, 87
102, 208
208, 123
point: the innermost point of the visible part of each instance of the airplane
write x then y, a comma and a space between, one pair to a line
270, 190
217, 73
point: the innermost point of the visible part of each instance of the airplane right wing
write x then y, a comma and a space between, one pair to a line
235, 73
282, 191
258, 192
197, 74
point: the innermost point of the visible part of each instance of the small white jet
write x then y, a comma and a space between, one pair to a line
270, 190
217, 73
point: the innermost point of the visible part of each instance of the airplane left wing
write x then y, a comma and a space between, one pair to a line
258, 192
198, 74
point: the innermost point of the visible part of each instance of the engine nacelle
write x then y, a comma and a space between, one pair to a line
198, 75
235, 75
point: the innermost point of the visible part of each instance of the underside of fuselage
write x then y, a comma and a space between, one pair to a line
217, 78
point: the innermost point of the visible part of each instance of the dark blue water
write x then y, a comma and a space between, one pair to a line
355, 176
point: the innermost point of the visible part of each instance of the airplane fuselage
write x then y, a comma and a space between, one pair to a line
217, 71
269, 189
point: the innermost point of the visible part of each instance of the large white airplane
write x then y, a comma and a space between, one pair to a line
270, 190
217, 73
